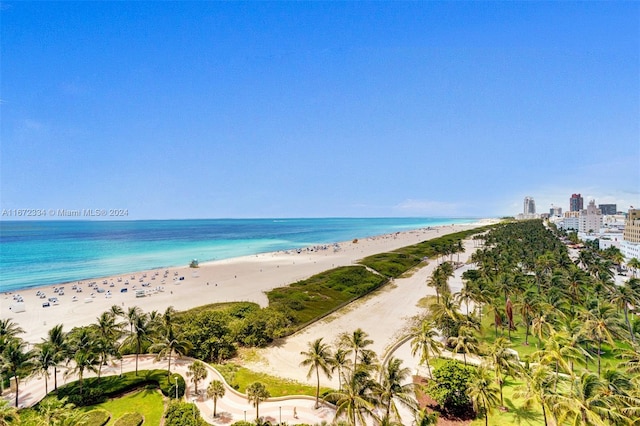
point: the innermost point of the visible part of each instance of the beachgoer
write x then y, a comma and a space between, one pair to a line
295, 413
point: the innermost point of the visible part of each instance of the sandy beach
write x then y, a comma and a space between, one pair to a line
239, 279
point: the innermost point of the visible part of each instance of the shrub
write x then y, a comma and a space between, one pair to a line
449, 386
130, 419
183, 414
97, 417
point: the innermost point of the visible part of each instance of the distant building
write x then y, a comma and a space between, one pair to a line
590, 219
529, 206
608, 209
632, 226
570, 222
555, 211
576, 203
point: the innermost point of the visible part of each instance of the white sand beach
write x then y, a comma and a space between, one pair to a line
239, 279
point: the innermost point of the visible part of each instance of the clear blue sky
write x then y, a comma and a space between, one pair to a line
207, 109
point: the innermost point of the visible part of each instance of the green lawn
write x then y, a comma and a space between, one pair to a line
147, 402
277, 386
515, 415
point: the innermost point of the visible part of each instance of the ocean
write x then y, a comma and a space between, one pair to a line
39, 253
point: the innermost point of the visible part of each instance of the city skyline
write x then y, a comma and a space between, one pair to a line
174, 110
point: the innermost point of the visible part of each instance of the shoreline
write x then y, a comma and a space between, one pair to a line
244, 278
87, 273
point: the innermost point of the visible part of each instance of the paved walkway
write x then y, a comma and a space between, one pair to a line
231, 408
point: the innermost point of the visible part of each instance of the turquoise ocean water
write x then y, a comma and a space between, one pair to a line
37, 253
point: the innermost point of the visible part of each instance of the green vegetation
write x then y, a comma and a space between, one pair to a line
240, 378
99, 389
183, 414
130, 419
97, 417
306, 301
569, 322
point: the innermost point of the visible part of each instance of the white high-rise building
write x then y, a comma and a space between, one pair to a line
529, 206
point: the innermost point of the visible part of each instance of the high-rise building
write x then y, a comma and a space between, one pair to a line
529, 206
576, 203
555, 211
608, 209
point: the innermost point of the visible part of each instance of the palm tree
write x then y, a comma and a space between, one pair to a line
355, 341
108, 333
83, 360
528, 305
58, 341
625, 295
355, 400
17, 361
169, 345
602, 324
339, 362
483, 393
59, 412
589, 403
465, 341
140, 334
317, 358
44, 359
446, 315
256, 393
503, 361
8, 414
131, 315
8, 330
424, 340
215, 390
538, 389
634, 264
197, 371
391, 388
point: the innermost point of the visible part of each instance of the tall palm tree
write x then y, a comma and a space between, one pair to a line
528, 305
43, 361
131, 315
538, 386
256, 393
215, 390
198, 372
355, 341
83, 360
602, 324
108, 332
624, 296
465, 342
339, 362
140, 334
425, 340
58, 341
169, 345
317, 357
446, 315
503, 361
355, 400
483, 393
394, 387
17, 361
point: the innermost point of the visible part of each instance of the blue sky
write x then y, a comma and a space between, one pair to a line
299, 109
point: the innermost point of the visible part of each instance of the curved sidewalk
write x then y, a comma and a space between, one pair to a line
231, 408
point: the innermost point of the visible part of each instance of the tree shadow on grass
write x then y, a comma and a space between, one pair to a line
523, 415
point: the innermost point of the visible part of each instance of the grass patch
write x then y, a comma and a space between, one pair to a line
146, 402
222, 306
241, 377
